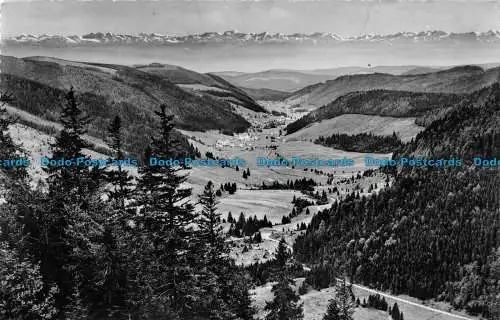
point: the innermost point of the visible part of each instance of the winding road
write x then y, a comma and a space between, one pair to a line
404, 301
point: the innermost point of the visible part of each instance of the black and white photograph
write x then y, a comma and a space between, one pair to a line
250, 160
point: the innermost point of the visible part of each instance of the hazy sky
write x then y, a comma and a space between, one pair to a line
344, 17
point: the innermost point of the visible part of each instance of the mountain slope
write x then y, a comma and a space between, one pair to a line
266, 94
420, 70
205, 84
108, 90
472, 128
292, 80
464, 79
433, 233
281, 80
380, 103
405, 128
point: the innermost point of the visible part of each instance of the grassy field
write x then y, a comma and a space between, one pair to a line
316, 302
274, 204
271, 203
405, 128
37, 122
415, 312
36, 145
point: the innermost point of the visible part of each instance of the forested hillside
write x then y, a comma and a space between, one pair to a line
266, 94
472, 128
362, 142
69, 253
44, 101
435, 232
378, 102
213, 85
104, 91
463, 79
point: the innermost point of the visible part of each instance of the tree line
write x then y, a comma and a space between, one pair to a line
303, 184
433, 234
362, 142
246, 226
68, 252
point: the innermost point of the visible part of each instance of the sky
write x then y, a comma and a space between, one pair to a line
343, 17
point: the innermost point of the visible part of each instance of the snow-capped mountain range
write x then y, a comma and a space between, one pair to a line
492, 36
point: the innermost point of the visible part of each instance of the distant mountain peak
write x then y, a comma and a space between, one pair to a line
234, 36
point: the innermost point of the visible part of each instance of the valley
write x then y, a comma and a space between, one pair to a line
248, 199
250, 160
219, 120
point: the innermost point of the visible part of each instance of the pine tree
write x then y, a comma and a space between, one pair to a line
282, 253
162, 236
324, 197
285, 305
24, 295
285, 220
233, 188
345, 301
221, 294
159, 191
69, 144
395, 314
115, 283
69, 221
210, 228
333, 311
115, 236
241, 221
236, 291
120, 180
257, 238
77, 309
304, 288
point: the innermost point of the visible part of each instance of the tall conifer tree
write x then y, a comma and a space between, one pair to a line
333, 311
210, 228
285, 305
120, 179
69, 224
345, 300
164, 214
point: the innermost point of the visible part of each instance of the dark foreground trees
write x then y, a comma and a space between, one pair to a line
341, 307
23, 292
70, 253
285, 304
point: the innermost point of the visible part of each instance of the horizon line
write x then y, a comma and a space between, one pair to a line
235, 31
